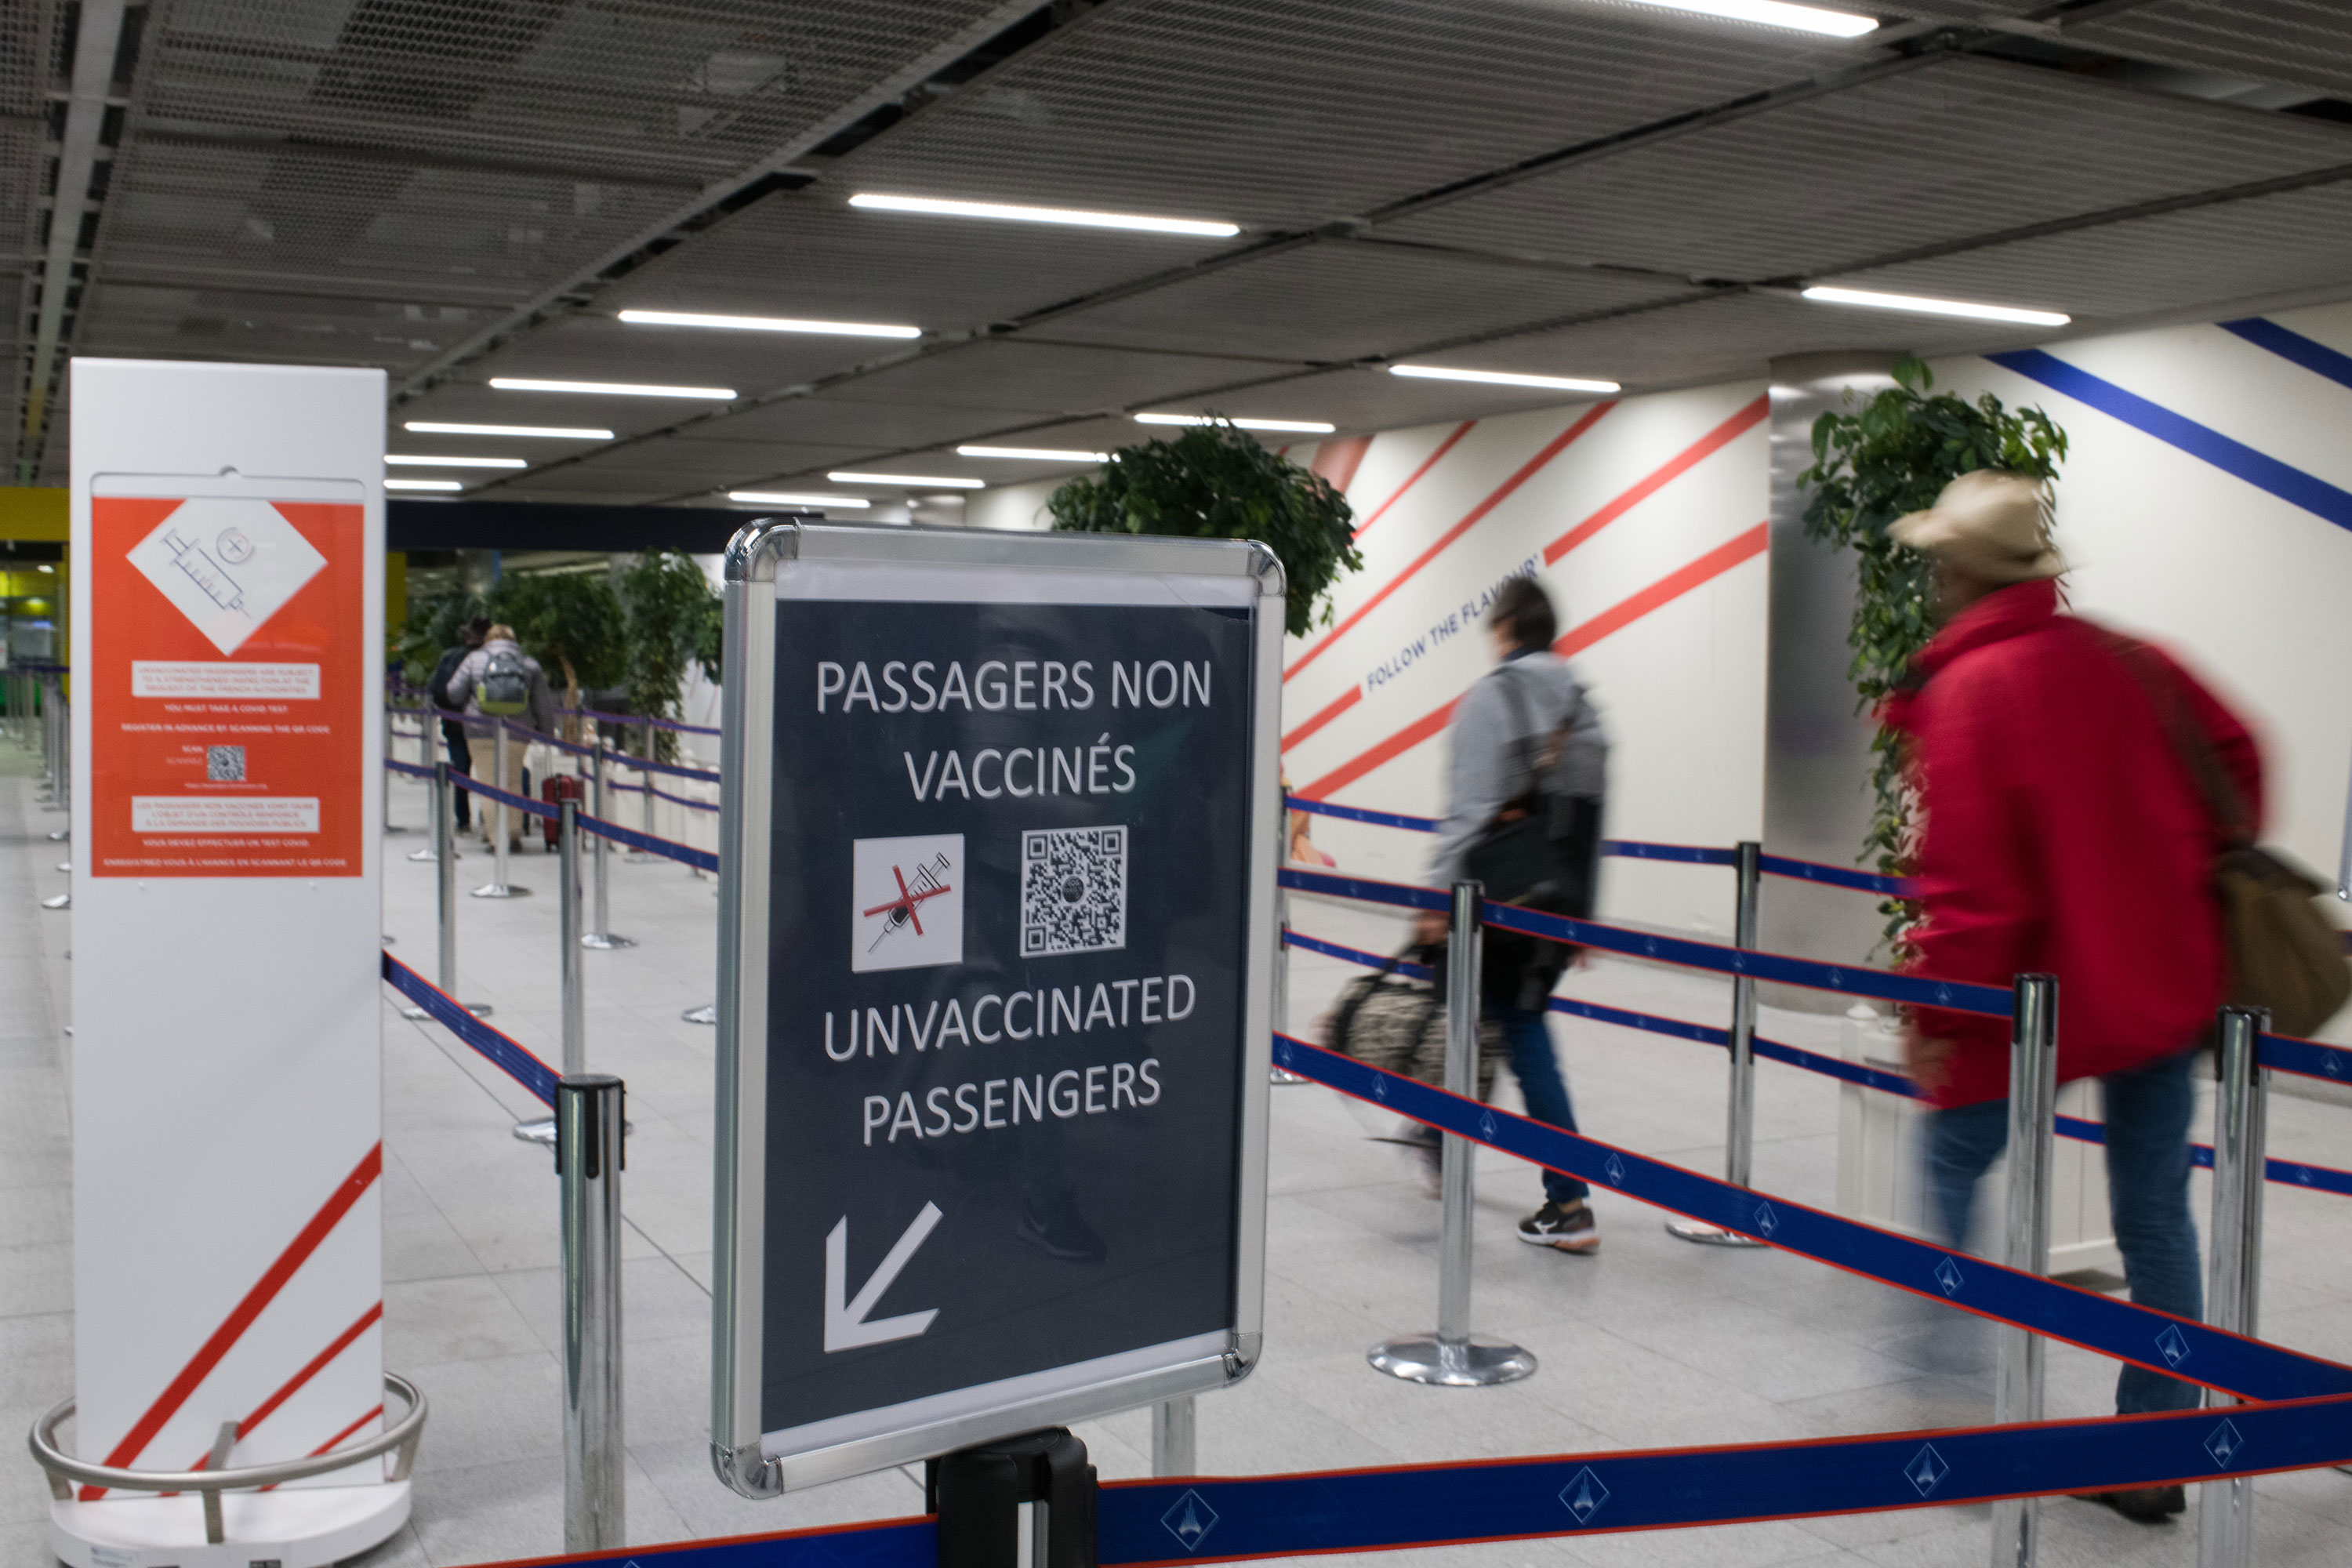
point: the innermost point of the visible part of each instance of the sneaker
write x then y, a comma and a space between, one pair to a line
2148, 1505
1568, 1227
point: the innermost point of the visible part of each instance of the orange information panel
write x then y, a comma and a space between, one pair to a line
225, 676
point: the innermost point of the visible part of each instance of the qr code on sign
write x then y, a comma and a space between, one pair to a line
224, 765
1073, 891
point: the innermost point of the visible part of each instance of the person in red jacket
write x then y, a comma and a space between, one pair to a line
2063, 832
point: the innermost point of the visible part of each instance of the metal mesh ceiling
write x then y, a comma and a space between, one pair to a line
1292, 112
1737, 335
1955, 149
386, 182
2307, 42
1048, 378
2280, 244
808, 255
1337, 301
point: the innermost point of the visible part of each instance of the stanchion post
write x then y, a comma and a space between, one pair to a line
2240, 1136
388, 774
444, 854
2032, 1104
600, 929
1454, 1356
1739, 1112
588, 1165
503, 823
567, 893
1281, 1008
1174, 1438
645, 777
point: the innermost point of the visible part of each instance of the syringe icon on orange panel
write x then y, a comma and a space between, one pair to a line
205, 570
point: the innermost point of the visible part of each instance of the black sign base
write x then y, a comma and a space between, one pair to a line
977, 1493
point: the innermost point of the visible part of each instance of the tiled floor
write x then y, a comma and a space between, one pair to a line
1651, 1343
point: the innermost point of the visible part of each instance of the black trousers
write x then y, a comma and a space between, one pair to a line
461, 764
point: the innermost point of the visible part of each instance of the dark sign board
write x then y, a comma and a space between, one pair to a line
1001, 817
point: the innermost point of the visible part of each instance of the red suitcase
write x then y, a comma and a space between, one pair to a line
560, 787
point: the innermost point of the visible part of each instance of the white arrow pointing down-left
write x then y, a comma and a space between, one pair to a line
845, 1327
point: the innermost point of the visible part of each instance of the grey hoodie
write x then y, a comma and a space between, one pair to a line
1485, 769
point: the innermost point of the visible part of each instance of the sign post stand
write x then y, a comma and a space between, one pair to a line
227, 777
1001, 821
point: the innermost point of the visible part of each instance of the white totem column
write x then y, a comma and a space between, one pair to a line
227, 1123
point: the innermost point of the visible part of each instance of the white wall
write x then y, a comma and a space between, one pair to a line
2251, 589
1681, 683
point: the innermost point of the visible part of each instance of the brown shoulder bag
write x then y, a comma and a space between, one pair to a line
2285, 955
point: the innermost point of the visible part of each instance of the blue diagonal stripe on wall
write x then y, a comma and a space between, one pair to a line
2314, 356
2267, 473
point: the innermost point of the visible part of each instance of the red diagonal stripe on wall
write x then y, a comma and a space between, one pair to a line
1355, 695
1410, 479
265, 1290
1528, 470
1617, 617
1666, 590
1396, 745
1715, 440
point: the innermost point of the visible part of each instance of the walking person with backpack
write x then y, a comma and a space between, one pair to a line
1524, 788
499, 682
2078, 790
452, 731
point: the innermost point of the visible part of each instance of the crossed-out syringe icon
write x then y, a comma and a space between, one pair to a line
901, 910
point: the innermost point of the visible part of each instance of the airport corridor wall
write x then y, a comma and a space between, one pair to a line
1644, 519
2207, 503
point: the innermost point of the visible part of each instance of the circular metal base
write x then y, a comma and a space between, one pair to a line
64, 864
604, 941
1708, 1235
62, 901
501, 890
1284, 1075
1475, 1362
705, 1013
61, 834
429, 853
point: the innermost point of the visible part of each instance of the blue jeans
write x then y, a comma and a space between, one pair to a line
1541, 1086
2147, 1193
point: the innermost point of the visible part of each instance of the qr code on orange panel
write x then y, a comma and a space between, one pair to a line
224, 765
1073, 891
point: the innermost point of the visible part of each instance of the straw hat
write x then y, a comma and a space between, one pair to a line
1990, 524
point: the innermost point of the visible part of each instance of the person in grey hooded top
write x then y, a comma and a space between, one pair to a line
1502, 728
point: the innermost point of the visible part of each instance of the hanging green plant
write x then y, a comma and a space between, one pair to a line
1215, 482
1892, 454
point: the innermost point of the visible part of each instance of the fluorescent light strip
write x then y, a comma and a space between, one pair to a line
423, 485
1035, 454
1777, 13
776, 498
768, 324
610, 388
1938, 307
412, 461
528, 432
1302, 426
870, 200
850, 478
1504, 378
